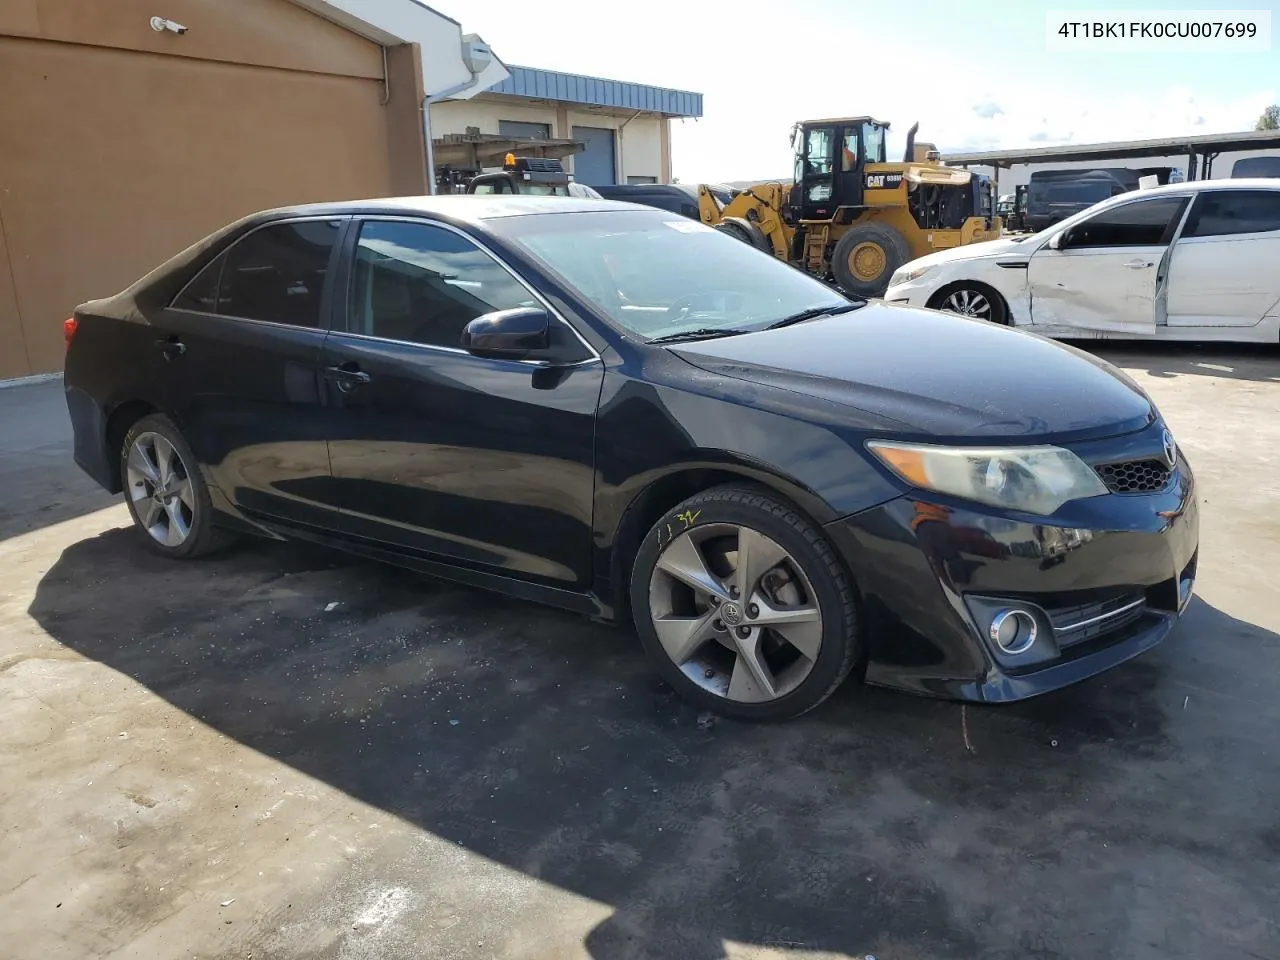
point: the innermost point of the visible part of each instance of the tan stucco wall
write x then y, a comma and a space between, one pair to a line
119, 145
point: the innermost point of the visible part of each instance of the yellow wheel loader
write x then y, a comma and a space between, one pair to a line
851, 217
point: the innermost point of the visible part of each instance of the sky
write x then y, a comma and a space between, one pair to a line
975, 75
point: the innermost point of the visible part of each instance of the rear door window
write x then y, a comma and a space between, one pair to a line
277, 273
1222, 213
201, 294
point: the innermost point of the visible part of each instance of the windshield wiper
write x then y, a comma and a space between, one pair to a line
702, 333
814, 313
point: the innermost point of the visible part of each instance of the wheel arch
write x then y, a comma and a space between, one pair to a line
119, 421
659, 494
935, 299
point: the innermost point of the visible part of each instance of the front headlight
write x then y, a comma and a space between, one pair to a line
907, 274
1032, 479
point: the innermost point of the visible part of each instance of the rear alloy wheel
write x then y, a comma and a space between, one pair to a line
972, 301
166, 494
744, 606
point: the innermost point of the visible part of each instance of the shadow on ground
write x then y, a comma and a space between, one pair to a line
1131, 815
1233, 360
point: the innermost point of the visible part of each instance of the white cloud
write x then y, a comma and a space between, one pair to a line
751, 101
747, 138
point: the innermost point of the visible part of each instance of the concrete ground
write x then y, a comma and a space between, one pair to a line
202, 760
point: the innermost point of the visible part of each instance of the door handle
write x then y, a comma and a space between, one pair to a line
171, 347
1139, 264
346, 376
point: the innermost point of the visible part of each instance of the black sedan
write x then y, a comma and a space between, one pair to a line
622, 412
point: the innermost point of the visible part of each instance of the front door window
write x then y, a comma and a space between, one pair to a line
419, 283
1145, 223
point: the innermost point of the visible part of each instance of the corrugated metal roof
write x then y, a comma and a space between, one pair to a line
1169, 146
574, 88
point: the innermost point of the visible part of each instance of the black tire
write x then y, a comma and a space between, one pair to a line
763, 512
998, 310
202, 536
894, 252
746, 231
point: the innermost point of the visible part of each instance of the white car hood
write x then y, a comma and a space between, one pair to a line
1005, 246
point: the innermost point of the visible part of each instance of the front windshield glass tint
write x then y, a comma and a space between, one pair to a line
657, 274
818, 152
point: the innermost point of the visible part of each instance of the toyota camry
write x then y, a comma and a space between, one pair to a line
618, 411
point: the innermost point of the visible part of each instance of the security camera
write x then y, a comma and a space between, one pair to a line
160, 25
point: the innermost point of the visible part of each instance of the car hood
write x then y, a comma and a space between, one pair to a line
1003, 246
935, 375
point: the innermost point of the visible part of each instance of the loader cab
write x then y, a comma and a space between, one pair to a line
830, 157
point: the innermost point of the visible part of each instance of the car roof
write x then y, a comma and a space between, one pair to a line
1195, 186
465, 208
1184, 189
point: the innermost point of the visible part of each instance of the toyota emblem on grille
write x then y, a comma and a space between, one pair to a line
1170, 450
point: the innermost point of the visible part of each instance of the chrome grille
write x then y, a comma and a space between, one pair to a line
1134, 476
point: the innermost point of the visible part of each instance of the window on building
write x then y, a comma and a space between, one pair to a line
1143, 223
1226, 212
524, 130
631, 179
420, 283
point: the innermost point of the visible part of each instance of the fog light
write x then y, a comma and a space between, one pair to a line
1013, 631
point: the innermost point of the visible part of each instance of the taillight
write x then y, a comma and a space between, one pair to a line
68, 330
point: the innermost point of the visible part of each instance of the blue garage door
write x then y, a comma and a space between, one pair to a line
594, 166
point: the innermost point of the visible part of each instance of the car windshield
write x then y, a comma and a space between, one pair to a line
656, 274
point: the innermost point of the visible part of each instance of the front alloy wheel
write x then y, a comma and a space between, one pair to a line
735, 613
968, 303
744, 606
971, 300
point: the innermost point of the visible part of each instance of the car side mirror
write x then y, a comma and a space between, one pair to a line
508, 334
1058, 241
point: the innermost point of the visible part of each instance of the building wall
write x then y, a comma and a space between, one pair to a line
119, 146
641, 142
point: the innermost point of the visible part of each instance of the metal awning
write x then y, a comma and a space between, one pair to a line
531, 82
1166, 147
479, 150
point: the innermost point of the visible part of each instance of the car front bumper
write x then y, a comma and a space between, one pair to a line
910, 294
1105, 579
